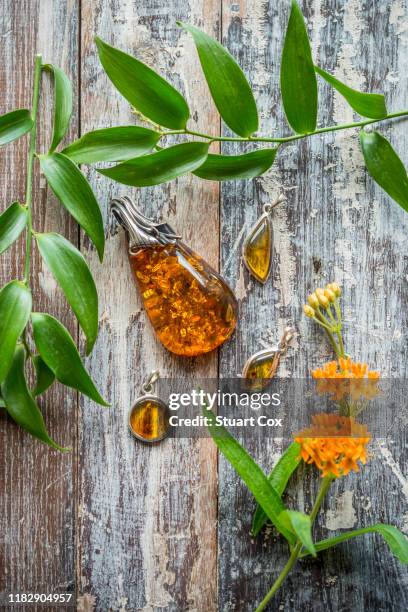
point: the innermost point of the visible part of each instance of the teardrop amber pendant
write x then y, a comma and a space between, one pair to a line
257, 251
263, 365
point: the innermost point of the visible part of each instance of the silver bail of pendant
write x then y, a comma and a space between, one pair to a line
141, 231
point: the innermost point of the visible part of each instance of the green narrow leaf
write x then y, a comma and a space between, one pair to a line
228, 85
297, 76
366, 104
59, 352
230, 167
62, 104
385, 167
147, 91
21, 405
250, 472
14, 124
279, 478
73, 190
159, 167
112, 144
302, 526
15, 308
71, 271
45, 376
12, 223
396, 540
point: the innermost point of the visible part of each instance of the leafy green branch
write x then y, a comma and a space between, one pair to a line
144, 161
57, 357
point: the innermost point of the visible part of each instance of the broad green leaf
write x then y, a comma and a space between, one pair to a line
73, 190
112, 144
297, 76
14, 124
397, 541
302, 526
385, 167
159, 167
250, 472
278, 478
12, 223
230, 167
45, 376
228, 85
21, 405
15, 309
71, 271
148, 92
365, 104
62, 104
2, 404
59, 352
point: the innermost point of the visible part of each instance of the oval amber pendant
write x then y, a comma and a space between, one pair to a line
190, 306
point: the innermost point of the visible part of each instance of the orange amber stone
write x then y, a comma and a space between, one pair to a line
191, 308
258, 249
148, 420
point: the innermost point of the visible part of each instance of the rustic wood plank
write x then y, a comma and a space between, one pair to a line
336, 224
147, 533
37, 492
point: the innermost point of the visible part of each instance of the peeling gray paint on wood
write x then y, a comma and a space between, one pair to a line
145, 519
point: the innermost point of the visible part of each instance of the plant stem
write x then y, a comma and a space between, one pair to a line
330, 128
298, 547
30, 164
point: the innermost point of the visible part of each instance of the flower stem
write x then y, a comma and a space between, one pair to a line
30, 164
330, 128
298, 547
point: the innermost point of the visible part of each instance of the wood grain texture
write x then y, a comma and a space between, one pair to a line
148, 514
336, 225
37, 485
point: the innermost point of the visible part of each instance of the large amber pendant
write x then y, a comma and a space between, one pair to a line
191, 308
258, 245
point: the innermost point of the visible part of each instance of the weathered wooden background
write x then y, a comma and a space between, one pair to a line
128, 527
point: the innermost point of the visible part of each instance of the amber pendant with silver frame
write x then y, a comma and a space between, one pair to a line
257, 249
149, 415
262, 366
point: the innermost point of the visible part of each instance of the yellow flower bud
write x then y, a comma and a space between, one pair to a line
308, 310
336, 289
319, 291
313, 300
323, 301
329, 293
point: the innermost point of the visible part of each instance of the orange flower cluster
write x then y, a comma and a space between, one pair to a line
334, 444
346, 378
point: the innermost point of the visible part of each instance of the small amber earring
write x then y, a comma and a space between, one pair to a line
258, 245
149, 415
262, 366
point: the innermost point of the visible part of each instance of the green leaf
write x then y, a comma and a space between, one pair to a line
159, 167
59, 352
230, 167
14, 124
302, 527
71, 271
15, 308
385, 167
397, 541
148, 92
12, 223
278, 478
62, 104
228, 85
21, 405
250, 472
365, 104
112, 144
297, 76
71, 187
45, 376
